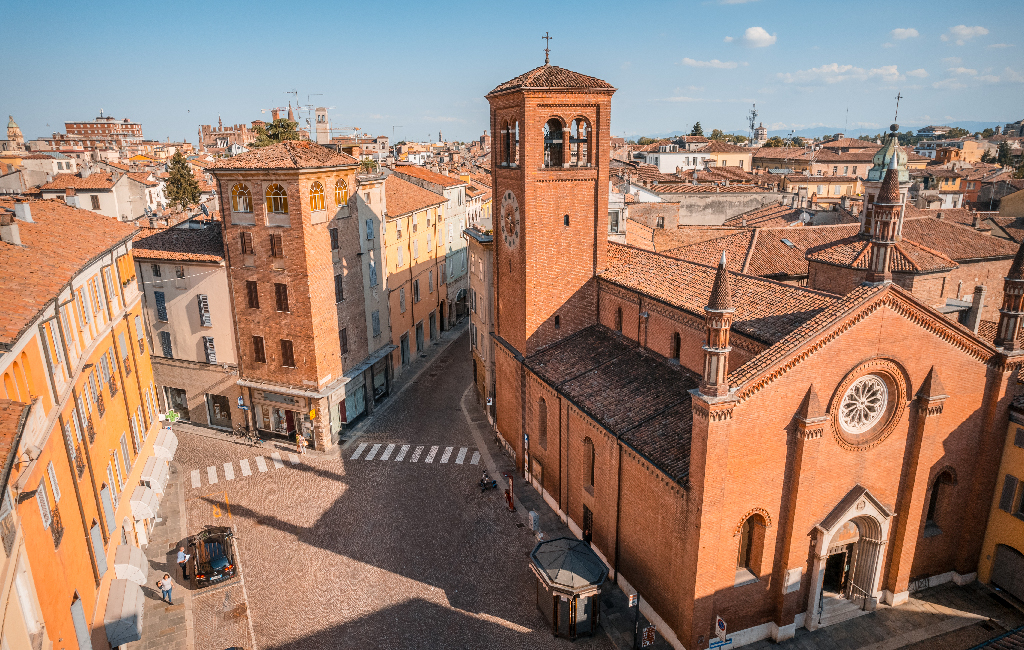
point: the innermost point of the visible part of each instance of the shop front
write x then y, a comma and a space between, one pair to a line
279, 415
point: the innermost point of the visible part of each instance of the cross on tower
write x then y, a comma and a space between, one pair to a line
547, 37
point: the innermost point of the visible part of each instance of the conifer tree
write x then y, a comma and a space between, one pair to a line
182, 187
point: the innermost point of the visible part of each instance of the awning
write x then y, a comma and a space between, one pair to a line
166, 444
123, 616
145, 502
130, 564
155, 473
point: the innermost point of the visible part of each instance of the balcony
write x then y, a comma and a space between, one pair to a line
56, 527
89, 428
79, 461
113, 386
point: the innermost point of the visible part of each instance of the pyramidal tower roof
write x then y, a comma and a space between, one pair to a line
551, 76
721, 294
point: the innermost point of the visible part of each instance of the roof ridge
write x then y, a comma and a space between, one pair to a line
750, 250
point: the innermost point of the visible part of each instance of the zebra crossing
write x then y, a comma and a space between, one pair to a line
214, 472
397, 453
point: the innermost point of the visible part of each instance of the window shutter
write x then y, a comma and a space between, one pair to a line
334, 239
97, 549
343, 335
259, 352
123, 345
369, 228
44, 505
1018, 439
165, 343
415, 250
204, 310
373, 273
53, 482
339, 289
108, 506
375, 317
211, 352
161, 306
1009, 490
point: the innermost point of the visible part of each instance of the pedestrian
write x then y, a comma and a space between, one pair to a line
183, 562
300, 442
166, 585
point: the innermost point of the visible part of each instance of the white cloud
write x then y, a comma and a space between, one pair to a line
728, 39
996, 46
964, 71
734, 2
1013, 75
758, 37
713, 63
949, 84
989, 78
920, 72
962, 33
901, 33
953, 60
834, 73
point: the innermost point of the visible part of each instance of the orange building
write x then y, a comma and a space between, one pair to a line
83, 483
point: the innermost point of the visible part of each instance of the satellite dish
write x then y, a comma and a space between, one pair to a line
205, 211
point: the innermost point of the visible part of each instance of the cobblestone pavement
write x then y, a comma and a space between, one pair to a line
378, 553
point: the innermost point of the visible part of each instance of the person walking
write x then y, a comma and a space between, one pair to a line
183, 562
300, 442
166, 585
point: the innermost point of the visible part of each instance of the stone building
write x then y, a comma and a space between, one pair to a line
732, 446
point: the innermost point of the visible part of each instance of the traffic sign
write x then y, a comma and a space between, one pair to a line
720, 628
648, 638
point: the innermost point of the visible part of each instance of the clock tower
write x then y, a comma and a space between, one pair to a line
549, 165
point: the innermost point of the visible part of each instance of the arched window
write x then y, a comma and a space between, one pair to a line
553, 143
618, 320
579, 143
506, 141
9, 386
676, 345
588, 461
751, 548
317, 200
515, 143
542, 423
241, 199
277, 199
943, 479
341, 192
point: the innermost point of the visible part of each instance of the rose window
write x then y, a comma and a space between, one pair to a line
863, 404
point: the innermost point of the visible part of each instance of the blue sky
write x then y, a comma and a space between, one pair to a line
423, 67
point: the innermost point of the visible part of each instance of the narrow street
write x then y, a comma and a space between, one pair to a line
390, 546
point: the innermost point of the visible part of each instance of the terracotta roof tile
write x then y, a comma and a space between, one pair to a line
550, 76
958, 242
403, 197
850, 143
717, 146
143, 177
855, 252
775, 214
293, 154
432, 177
96, 181
709, 252
689, 188
186, 244
13, 416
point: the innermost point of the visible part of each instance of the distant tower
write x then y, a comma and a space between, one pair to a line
761, 134
291, 115
323, 126
440, 137
220, 123
14, 131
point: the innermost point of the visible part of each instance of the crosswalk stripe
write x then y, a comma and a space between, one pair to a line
261, 464
244, 463
430, 456
229, 472
276, 457
462, 456
211, 474
294, 458
387, 452
401, 453
416, 454
447, 453
373, 452
196, 481
359, 451
475, 459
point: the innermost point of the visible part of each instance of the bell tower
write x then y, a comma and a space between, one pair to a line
549, 164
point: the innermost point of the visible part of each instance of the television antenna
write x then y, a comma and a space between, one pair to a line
752, 120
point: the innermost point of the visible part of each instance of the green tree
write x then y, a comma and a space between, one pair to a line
270, 133
645, 141
716, 134
181, 187
957, 132
988, 133
368, 165
1020, 172
774, 141
986, 157
737, 138
1003, 157
697, 130
798, 141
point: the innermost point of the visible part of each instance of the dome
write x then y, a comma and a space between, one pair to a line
880, 162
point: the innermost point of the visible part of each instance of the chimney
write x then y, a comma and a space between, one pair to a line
939, 216
70, 198
976, 222
23, 211
9, 229
974, 313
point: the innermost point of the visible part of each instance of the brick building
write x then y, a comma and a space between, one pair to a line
481, 313
732, 446
296, 281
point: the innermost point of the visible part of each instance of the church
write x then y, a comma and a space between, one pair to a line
733, 447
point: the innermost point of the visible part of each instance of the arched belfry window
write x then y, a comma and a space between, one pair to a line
241, 199
506, 141
515, 143
579, 143
553, 143
277, 199
317, 200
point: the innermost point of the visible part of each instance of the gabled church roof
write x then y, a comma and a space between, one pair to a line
551, 76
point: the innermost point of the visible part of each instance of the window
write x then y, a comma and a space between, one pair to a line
565, 220
259, 352
179, 272
277, 199
44, 505
334, 238
252, 294
204, 310
749, 551
161, 306
676, 345
415, 250
400, 259
579, 143
401, 299
430, 281
341, 194
165, 345
125, 457
588, 461
542, 423
211, 351
287, 354
613, 221
343, 336
95, 202
247, 247
241, 199
276, 246
618, 319
339, 288
373, 273
558, 322
660, 222
156, 270
945, 478
281, 295
317, 200
553, 143
369, 229
53, 482
416, 290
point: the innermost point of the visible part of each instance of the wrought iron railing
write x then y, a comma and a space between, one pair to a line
127, 366
99, 404
56, 527
79, 461
90, 429
113, 386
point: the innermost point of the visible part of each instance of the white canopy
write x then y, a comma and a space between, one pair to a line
130, 564
145, 502
155, 474
123, 616
166, 444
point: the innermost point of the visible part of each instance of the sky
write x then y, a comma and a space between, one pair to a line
412, 69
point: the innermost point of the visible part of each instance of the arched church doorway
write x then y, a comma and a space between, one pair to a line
853, 556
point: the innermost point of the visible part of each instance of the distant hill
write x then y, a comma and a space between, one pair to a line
971, 126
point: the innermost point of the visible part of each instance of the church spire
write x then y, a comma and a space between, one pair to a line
886, 226
717, 325
1013, 305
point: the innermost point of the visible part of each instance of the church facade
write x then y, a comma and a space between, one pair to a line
731, 446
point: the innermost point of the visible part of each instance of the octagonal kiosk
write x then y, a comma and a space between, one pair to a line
569, 578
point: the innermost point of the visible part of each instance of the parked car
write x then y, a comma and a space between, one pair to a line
213, 555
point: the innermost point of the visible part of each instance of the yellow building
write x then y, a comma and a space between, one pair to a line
1002, 554
823, 189
723, 154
